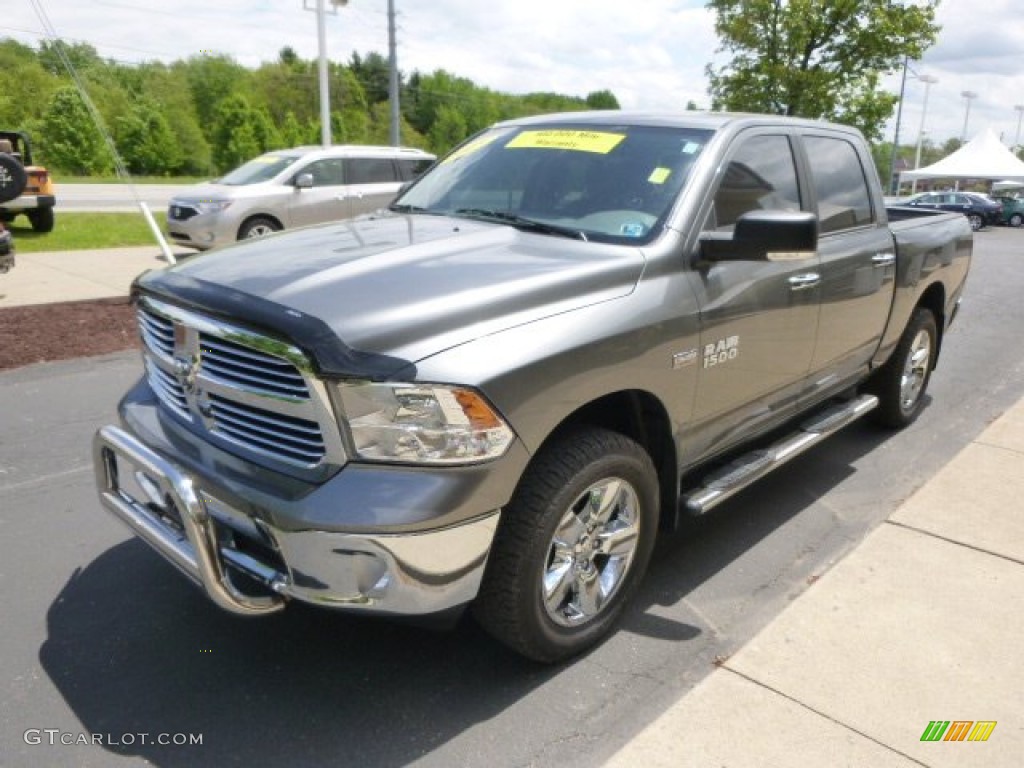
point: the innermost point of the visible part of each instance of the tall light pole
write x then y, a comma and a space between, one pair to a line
321, 36
1020, 114
893, 184
928, 81
968, 96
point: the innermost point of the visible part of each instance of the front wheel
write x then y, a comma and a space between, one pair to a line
901, 383
572, 545
1016, 220
258, 226
976, 221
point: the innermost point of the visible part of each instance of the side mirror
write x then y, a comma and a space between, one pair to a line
764, 236
303, 181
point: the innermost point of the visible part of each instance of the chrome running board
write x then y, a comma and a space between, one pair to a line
752, 466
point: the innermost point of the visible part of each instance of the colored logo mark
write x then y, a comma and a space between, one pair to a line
958, 730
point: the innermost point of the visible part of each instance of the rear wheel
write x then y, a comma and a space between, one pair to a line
1016, 220
901, 383
41, 219
976, 221
12, 178
572, 546
258, 226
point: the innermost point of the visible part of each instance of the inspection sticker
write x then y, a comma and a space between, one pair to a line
659, 175
579, 141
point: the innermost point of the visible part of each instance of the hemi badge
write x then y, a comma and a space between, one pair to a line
683, 359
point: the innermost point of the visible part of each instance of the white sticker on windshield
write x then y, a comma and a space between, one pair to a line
690, 147
632, 229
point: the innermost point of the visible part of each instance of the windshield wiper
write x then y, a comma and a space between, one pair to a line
521, 222
406, 208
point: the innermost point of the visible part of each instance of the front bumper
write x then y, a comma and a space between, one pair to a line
212, 543
202, 230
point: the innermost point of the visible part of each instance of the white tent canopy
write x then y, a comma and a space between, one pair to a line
983, 157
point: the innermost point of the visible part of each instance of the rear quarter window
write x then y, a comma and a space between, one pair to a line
844, 199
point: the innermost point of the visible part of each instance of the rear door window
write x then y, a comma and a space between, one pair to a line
370, 170
844, 199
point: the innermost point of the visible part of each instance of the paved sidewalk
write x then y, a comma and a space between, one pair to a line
921, 622
43, 278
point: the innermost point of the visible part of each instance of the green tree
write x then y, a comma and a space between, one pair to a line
602, 100
211, 80
145, 141
81, 55
25, 86
373, 73
816, 58
448, 130
73, 143
242, 132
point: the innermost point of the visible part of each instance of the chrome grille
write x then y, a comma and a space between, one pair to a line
157, 332
167, 388
299, 439
250, 393
251, 369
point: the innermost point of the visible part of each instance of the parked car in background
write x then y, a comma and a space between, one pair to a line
36, 199
292, 188
980, 210
1013, 209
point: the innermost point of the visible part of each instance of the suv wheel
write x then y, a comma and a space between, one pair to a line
1016, 220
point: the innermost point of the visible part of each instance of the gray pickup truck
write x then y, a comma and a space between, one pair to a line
570, 332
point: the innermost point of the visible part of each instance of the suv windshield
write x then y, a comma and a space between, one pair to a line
263, 168
607, 183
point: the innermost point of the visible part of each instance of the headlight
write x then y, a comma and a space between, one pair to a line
422, 423
213, 206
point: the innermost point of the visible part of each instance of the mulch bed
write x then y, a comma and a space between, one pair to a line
46, 332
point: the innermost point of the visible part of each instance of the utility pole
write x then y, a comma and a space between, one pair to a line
396, 125
1020, 114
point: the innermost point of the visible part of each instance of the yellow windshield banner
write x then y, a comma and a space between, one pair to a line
579, 141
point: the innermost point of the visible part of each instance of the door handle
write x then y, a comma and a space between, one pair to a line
805, 281
883, 259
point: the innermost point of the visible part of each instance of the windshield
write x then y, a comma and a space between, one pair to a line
610, 184
262, 168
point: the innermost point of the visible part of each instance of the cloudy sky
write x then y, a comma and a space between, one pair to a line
651, 54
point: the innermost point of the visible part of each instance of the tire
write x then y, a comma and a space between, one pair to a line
976, 221
41, 220
1015, 220
12, 178
258, 226
901, 383
560, 572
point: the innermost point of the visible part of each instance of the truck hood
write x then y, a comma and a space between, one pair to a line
394, 289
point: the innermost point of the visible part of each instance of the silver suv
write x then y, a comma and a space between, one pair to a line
292, 188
